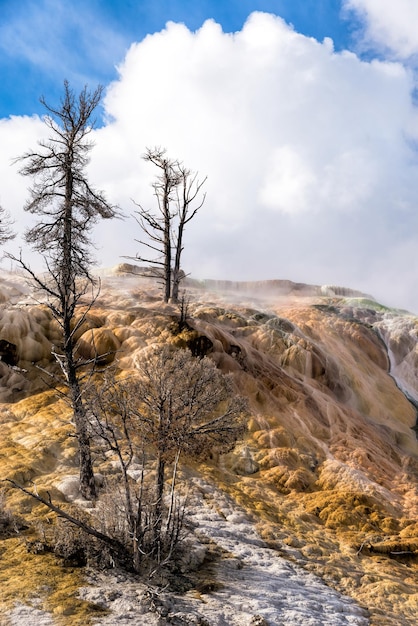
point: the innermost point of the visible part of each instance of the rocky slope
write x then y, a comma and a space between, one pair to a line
316, 508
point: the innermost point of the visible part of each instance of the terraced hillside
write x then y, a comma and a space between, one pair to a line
325, 478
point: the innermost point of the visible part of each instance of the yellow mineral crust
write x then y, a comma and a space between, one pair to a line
328, 469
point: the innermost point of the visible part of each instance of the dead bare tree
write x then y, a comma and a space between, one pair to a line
176, 188
157, 226
176, 404
6, 231
67, 207
114, 423
185, 405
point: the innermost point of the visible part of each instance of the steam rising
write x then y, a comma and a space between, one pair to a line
312, 171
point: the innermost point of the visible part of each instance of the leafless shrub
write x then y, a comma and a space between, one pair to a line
175, 404
71, 544
113, 519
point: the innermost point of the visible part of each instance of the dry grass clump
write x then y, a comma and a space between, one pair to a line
409, 529
74, 547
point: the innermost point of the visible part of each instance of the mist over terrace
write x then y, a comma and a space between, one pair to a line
316, 187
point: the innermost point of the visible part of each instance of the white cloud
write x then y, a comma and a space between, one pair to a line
17, 135
289, 182
312, 175
389, 25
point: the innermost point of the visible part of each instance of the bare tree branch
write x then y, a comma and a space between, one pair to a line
113, 543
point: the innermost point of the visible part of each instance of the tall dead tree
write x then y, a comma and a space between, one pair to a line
176, 188
67, 207
157, 225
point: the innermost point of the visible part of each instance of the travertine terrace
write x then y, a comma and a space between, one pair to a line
326, 475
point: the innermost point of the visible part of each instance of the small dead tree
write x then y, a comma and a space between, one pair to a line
177, 191
67, 207
175, 405
114, 423
186, 405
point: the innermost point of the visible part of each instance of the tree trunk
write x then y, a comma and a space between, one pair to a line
167, 271
158, 507
177, 263
167, 256
87, 482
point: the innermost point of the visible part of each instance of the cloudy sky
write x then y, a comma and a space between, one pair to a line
302, 114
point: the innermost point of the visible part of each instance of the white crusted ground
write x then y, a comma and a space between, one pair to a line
24, 615
255, 586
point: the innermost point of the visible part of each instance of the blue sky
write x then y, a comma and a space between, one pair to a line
43, 41
301, 113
